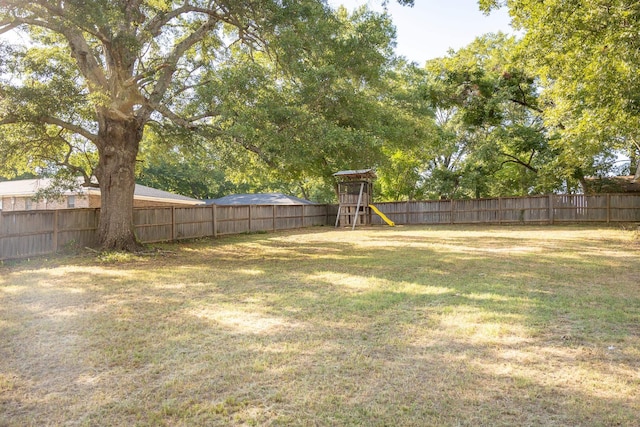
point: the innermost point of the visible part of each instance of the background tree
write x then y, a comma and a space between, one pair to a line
491, 138
411, 132
587, 54
187, 169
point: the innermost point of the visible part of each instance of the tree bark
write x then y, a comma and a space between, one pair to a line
118, 144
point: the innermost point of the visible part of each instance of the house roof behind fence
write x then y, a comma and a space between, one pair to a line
142, 192
29, 187
259, 199
24, 187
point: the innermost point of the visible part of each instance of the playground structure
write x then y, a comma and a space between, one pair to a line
355, 195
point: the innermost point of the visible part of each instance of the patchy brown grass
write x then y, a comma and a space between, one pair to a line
381, 326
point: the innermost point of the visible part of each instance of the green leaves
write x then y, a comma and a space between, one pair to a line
587, 55
311, 104
491, 139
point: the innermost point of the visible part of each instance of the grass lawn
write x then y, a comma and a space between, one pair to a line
406, 326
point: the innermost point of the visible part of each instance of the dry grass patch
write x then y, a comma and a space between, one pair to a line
380, 326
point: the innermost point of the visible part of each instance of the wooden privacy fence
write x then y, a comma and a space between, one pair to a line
549, 209
31, 233
25, 234
175, 223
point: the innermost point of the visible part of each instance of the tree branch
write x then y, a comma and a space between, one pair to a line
256, 150
16, 22
87, 63
70, 127
517, 161
155, 25
77, 169
6, 26
7, 120
54, 20
526, 105
187, 122
171, 63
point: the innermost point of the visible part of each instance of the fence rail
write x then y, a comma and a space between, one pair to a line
31, 233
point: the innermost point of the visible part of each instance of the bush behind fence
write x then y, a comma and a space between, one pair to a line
31, 233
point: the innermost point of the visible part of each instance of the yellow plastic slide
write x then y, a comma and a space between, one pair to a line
383, 216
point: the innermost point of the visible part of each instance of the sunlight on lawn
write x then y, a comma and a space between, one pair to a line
249, 272
244, 322
358, 283
507, 250
563, 370
404, 326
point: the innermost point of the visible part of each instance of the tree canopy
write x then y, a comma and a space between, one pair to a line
587, 56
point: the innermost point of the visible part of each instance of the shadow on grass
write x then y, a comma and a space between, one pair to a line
332, 330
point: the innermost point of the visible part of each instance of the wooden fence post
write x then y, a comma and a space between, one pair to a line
451, 210
551, 209
173, 223
55, 231
215, 220
406, 214
250, 206
273, 210
608, 208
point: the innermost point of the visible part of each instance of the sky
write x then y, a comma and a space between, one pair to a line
430, 28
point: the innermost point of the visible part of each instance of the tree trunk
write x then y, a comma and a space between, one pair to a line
118, 149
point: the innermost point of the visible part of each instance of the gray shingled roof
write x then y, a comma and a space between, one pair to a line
259, 199
28, 187
144, 191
